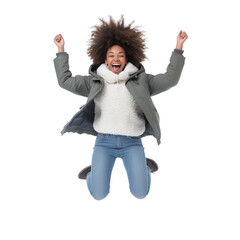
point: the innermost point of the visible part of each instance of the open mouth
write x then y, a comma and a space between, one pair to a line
116, 67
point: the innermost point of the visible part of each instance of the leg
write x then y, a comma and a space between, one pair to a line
137, 170
98, 180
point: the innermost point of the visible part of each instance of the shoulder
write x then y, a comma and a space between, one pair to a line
141, 74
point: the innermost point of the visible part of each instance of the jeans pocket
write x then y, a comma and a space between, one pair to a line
134, 138
101, 139
101, 136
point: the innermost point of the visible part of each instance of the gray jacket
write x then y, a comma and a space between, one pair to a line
141, 85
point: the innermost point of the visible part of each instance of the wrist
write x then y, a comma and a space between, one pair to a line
179, 46
61, 49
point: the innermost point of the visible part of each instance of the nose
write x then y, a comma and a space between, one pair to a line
116, 58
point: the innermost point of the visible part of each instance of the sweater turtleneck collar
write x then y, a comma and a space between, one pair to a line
112, 78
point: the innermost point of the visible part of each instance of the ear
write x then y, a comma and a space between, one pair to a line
106, 62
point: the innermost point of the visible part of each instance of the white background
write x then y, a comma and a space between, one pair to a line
195, 193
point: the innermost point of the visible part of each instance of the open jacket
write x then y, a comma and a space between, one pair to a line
141, 85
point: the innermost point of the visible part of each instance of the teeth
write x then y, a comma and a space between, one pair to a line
116, 64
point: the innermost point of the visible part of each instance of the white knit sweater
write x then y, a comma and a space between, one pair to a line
115, 109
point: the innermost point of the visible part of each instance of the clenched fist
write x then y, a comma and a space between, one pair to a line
181, 38
59, 41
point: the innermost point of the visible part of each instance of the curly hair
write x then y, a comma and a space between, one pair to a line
111, 33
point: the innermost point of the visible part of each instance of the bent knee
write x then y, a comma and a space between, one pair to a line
140, 194
99, 195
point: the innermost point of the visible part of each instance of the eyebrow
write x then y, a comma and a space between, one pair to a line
119, 52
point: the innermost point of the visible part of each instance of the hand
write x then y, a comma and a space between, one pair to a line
181, 38
59, 41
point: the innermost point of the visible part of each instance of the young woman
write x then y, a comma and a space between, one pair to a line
119, 109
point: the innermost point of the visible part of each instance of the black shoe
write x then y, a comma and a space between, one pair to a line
84, 172
152, 165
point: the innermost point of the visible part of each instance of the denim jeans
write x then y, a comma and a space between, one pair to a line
107, 148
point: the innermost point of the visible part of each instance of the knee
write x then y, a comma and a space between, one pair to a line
140, 194
140, 189
99, 195
97, 191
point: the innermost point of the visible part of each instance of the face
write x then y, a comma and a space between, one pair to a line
116, 59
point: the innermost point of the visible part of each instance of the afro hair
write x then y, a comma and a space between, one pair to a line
111, 33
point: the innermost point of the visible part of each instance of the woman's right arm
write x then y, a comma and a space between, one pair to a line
78, 84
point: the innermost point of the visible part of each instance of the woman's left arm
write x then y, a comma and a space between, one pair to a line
162, 82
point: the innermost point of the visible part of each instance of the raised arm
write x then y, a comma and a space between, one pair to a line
78, 84
162, 82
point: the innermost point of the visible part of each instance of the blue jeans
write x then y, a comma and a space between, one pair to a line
107, 148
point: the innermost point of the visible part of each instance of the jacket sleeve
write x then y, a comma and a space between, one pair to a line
79, 84
162, 82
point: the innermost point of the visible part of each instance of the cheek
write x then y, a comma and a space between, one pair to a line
124, 63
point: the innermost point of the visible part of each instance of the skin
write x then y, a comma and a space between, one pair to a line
59, 41
181, 38
116, 54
